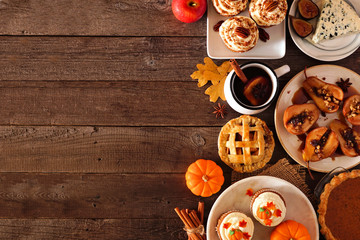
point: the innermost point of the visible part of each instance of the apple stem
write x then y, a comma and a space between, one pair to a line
192, 4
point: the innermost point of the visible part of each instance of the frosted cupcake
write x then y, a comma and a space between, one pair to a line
269, 12
229, 8
268, 207
235, 225
240, 34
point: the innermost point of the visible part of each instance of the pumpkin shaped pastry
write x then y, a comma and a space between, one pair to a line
235, 225
204, 178
268, 207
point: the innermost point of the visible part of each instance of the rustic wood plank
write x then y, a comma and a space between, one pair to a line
99, 58
151, 229
94, 17
123, 59
107, 103
120, 196
109, 149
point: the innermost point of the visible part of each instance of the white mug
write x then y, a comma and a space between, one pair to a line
243, 108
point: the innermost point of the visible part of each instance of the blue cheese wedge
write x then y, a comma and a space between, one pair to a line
337, 18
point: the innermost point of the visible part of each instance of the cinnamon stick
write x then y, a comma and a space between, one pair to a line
201, 209
196, 220
195, 236
188, 223
238, 70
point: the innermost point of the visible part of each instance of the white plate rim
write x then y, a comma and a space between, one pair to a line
246, 55
310, 50
266, 180
276, 112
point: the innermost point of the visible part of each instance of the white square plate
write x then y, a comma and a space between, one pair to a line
271, 49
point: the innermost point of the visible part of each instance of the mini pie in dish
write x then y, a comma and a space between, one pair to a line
339, 208
240, 34
246, 143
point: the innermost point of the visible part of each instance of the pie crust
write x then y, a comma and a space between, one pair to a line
324, 202
245, 143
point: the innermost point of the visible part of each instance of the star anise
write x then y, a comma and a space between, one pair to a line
220, 110
260, 90
344, 84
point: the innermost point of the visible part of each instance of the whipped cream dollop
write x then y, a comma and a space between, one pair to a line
234, 41
263, 17
229, 7
270, 201
236, 221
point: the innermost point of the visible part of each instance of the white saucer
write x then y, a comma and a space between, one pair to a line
331, 50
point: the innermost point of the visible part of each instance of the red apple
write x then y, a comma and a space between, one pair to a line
188, 10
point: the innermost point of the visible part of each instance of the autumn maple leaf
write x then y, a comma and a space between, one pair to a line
268, 222
242, 224
246, 235
277, 213
217, 75
270, 205
249, 192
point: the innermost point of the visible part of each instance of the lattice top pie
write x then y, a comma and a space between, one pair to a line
245, 143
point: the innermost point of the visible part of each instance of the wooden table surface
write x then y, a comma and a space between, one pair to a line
99, 118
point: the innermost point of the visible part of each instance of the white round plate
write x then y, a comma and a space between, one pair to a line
331, 50
291, 143
235, 198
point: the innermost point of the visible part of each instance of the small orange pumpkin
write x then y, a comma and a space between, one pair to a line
236, 234
263, 213
290, 230
204, 178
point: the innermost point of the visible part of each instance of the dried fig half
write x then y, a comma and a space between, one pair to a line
351, 109
308, 9
325, 95
320, 143
299, 118
301, 27
348, 138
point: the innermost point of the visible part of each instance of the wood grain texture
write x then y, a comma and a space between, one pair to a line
109, 149
123, 58
120, 196
109, 103
130, 229
99, 58
94, 17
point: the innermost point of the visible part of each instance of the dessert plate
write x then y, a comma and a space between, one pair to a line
331, 50
272, 49
291, 143
298, 207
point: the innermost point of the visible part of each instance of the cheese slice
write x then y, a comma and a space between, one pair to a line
337, 18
